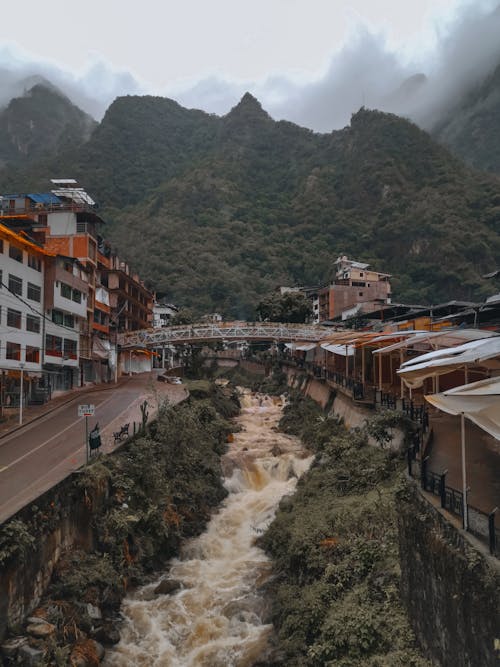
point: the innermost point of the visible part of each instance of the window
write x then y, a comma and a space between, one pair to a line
13, 351
57, 317
65, 291
360, 293
53, 345
100, 317
76, 296
1, 245
13, 318
32, 354
33, 323
70, 348
69, 321
34, 262
34, 292
42, 218
15, 253
15, 284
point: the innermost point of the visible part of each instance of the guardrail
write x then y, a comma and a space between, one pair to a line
224, 332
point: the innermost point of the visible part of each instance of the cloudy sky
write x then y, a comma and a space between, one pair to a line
310, 61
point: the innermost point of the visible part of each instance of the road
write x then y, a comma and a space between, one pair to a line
39, 455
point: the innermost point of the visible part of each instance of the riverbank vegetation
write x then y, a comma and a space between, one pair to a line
140, 503
334, 547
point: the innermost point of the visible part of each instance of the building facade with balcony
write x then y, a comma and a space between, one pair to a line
66, 295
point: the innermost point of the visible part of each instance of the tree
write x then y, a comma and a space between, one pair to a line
289, 307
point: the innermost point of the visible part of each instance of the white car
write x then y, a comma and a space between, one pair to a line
174, 380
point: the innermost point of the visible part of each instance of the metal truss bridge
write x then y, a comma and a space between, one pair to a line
226, 332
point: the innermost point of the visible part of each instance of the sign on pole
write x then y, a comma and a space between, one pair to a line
86, 410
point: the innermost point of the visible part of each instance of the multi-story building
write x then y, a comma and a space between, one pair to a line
130, 301
66, 295
356, 289
91, 295
22, 269
65, 222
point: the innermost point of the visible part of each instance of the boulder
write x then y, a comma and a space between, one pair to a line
167, 586
30, 657
106, 634
86, 653
10, 648
94, 612
41, 630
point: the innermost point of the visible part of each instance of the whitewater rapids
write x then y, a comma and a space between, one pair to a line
216, 618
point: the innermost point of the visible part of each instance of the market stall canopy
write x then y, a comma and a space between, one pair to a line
343, 350
439, 362
478, 401
303, 347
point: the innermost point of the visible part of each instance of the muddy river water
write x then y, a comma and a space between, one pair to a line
216, 618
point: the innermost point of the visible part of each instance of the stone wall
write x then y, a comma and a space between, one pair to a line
65, 519
450, 589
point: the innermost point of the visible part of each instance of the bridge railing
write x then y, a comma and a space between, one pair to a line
224, 332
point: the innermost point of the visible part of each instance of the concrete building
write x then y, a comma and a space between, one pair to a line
66, 295
356, 290
22, 269
163, 314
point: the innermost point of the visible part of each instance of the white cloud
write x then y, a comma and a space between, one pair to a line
367, 70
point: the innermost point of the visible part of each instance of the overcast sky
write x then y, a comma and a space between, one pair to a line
312, 61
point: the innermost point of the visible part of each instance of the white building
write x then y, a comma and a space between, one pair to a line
163, 314
22, 268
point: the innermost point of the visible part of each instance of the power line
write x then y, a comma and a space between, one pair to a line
47, 319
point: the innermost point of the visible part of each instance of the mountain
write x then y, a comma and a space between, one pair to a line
42, 121
215, 211
471, 129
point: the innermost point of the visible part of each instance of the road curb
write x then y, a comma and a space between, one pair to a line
61, 405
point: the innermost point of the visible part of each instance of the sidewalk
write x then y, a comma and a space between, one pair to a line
33, 412
154, 397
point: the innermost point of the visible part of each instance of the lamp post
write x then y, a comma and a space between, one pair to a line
21, 365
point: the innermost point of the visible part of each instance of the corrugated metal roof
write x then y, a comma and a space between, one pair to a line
44, 198
78, 195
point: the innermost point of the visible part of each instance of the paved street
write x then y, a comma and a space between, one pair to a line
43, 452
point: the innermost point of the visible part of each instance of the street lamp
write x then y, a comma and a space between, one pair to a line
21, 365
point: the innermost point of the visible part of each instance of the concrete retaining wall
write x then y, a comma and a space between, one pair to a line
450, 589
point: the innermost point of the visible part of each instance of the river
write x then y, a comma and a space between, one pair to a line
216, 618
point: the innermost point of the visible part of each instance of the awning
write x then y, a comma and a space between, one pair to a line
47, 199
408, 342
440, 362
478, 401
343, 350
303, 347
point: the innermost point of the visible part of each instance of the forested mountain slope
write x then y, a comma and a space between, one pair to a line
472, 128
42, 122
216, 211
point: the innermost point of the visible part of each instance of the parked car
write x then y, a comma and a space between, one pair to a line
174, 380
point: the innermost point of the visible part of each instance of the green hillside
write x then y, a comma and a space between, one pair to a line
214, 212
42, 122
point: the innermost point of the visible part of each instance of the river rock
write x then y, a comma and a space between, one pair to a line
30, 657
87, 653
41, 630
276, 450
10, 648
106, 634
167, 586
36, 620
94, 612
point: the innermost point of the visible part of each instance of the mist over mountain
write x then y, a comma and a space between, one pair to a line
364, 72
40, 123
